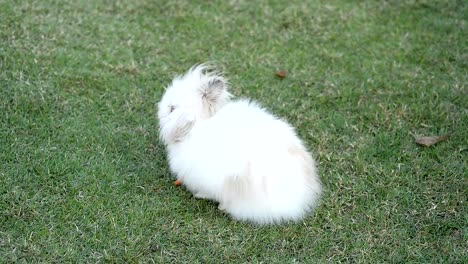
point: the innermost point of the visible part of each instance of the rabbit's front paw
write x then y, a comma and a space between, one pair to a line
221, 207
200, 195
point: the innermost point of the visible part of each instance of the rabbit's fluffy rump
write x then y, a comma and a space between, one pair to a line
235, 152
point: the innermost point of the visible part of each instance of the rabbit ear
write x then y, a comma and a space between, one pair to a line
214, 90
181, 129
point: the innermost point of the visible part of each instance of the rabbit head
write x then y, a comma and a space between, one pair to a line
190, 98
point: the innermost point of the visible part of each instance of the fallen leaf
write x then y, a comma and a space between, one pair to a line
429, 141
281, 74
177, 183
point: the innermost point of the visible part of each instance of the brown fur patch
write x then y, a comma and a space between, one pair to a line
237, 187
308, 163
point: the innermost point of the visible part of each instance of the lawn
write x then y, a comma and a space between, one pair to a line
84, 177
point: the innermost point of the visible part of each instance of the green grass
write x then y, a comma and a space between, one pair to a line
83, 176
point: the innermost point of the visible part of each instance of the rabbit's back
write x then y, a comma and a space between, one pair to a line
263, 173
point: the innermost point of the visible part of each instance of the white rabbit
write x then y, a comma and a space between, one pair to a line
235, 152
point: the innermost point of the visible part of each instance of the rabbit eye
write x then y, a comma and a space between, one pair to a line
171, 108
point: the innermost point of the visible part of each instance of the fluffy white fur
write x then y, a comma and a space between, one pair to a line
235, 152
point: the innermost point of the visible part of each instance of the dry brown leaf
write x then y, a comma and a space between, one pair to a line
177, 183
281, 74
429, 141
